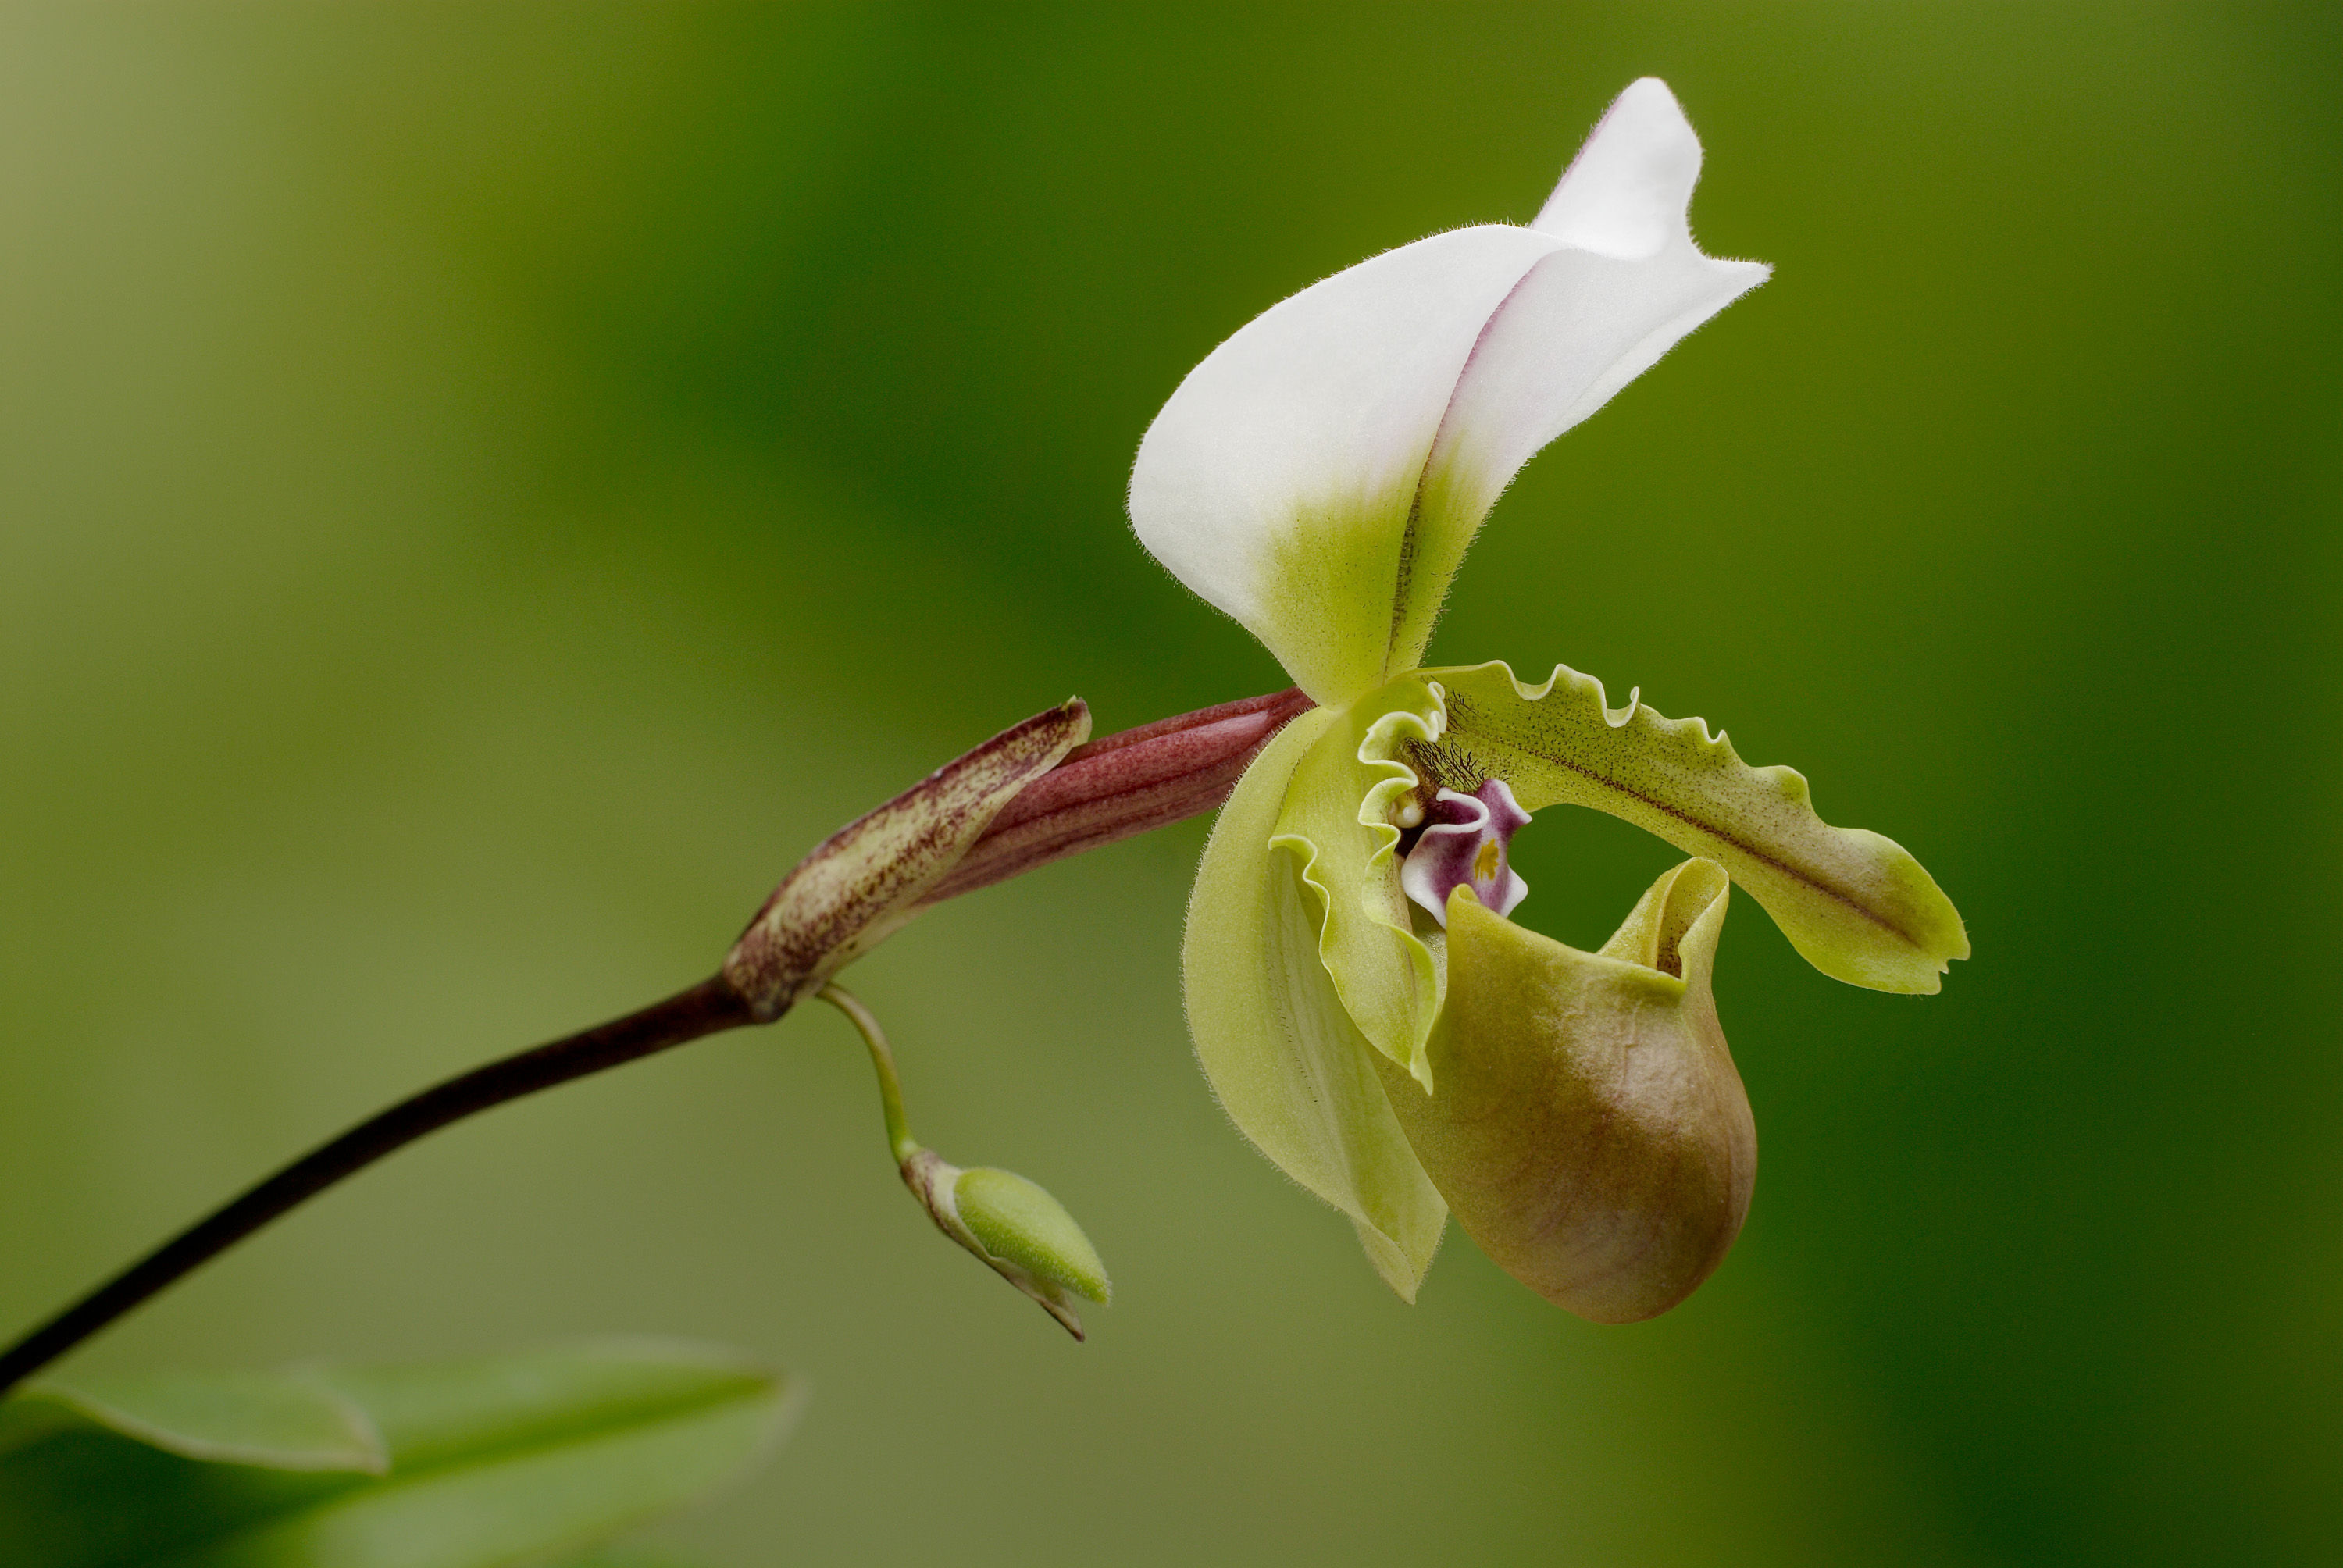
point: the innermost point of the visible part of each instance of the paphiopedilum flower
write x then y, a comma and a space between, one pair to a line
1365, 1013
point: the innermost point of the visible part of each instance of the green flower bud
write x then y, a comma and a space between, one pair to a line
1587, 1126
1025, 1235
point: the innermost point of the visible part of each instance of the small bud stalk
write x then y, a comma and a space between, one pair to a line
1013, 1225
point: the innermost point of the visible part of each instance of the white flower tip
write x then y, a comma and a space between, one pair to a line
1625, 193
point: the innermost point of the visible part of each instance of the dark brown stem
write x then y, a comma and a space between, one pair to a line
1108, 789
706, 1009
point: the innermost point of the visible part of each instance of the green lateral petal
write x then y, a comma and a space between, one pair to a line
1336, 823
1858, 905
1291, 1068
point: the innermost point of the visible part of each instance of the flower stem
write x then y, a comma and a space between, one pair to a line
890, 1086
1105, 790
706, 1008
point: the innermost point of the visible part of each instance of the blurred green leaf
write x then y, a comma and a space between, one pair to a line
285, 1421
464, 1465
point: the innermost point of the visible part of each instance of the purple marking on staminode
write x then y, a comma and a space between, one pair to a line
1467, 840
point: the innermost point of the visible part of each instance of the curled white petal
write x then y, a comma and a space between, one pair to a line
1278, 479
1625, 193
1321, 474
1588, 319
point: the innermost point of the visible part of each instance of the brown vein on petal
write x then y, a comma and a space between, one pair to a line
1406, 577
1423, 476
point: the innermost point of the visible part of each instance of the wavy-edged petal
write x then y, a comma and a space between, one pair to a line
1289, 1067
1336, 823
1858, 905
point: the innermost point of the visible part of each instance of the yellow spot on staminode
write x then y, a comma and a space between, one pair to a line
1484, 864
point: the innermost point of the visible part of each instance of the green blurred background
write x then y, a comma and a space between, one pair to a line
483, 489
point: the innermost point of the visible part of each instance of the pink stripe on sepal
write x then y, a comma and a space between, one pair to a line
1124, 784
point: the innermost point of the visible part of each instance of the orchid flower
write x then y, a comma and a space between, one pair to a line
1365, 1011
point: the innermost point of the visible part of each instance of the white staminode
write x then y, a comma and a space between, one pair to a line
1318, 476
